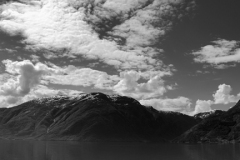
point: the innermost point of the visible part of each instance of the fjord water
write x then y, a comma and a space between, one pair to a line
55, 150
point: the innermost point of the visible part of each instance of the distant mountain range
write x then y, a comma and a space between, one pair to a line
218, 127
100, 117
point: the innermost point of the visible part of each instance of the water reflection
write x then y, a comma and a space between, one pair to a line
39, 150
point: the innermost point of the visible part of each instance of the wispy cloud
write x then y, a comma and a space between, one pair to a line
85, 77
220, 55
180, 104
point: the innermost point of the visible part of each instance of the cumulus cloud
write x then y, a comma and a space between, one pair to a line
126, 84
39, 91
129, 86
220, 55
24, 78
223, 95
202, 106
29, 76
180, 104
26, 75
119, 33
24, 81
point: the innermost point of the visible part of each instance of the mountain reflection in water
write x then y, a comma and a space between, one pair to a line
56, 150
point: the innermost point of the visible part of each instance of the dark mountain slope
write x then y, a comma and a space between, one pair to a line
91, 117
223, 127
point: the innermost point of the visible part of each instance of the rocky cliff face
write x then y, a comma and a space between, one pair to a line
91, 117
223, 127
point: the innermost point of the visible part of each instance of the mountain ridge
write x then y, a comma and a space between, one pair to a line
91, 117
219, 128
101, 117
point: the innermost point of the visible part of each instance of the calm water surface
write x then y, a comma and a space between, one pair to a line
39, 150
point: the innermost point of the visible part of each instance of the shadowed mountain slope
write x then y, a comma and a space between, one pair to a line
91, 117
222, 127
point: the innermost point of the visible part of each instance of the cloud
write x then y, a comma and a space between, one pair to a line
29, 76
34, 58
44, 91
129, 86
202, 106
220, 55
121, 34
26, 75
180, 104
39, 91
4, 78
122, 37
85, 77
223, 95
24, 81
126, 84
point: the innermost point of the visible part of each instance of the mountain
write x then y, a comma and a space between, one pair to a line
219, 127
204, 115
91, 117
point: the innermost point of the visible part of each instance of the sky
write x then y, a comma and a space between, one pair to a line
173, 55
